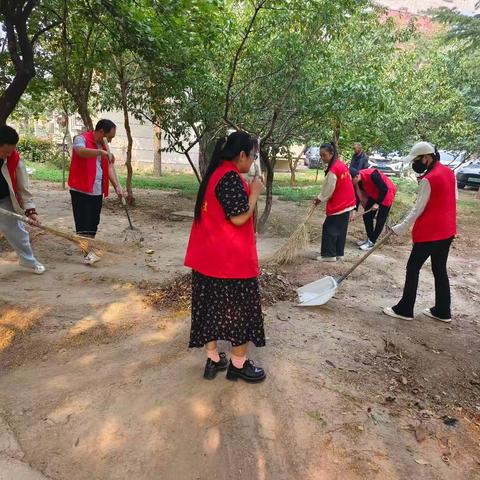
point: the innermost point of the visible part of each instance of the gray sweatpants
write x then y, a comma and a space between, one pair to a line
16, 235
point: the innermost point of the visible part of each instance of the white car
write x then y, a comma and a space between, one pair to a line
389, 164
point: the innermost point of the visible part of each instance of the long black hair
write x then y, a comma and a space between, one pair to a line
225, 149
330, 148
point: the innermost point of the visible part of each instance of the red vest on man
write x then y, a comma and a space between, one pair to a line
439, 219
12, 163
344, 195
84, 170
372, 191
217, 247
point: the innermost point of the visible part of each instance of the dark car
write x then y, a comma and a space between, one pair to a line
469, 176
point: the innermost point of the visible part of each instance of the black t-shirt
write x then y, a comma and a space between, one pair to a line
4, 190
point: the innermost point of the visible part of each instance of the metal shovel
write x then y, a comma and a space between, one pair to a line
321, 291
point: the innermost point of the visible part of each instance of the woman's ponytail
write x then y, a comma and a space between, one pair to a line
330, 148
225, 149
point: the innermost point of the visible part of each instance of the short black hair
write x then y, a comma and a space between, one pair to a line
8, 135
105, 125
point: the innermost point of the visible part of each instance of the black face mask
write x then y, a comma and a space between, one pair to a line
419, 167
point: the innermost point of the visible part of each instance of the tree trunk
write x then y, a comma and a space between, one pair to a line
64, 149
336, 134
82, 105
269, 165
12, 95
206, 148
157, 152
292, 167
21, 54
203, 157
126, 122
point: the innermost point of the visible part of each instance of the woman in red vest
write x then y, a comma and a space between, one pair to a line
90, 171
223, 257
377, 192
339, 194
434, 226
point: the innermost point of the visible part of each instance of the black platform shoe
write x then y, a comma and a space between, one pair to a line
212, 368
249, 372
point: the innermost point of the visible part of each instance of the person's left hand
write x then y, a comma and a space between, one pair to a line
375, 206
119, 192
111, 159
353, 215
33, 220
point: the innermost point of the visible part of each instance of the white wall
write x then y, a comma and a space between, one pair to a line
143, 145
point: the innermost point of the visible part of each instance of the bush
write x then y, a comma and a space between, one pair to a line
39, 150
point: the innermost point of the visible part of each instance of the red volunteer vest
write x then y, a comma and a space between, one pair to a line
439, 219
344, 195
372, 191
217, 247
12, 163
83, 170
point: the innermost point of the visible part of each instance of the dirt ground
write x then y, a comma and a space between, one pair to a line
97, 382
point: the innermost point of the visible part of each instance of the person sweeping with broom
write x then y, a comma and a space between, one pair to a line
15, 197
223, 257
90, 171
339, 195
434, 226
376, 192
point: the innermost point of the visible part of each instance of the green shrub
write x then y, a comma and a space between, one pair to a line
39, 150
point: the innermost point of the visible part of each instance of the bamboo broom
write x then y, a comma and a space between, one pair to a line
84, 243
298, 240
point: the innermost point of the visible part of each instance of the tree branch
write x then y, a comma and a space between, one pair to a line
44, 30
236, 58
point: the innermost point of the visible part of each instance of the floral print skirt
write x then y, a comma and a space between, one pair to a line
226, 309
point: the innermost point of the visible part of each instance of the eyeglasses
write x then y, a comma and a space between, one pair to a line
255, 156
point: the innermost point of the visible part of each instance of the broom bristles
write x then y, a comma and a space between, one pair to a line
298, 241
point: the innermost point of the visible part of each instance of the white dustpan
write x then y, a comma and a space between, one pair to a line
321, 291
317, 293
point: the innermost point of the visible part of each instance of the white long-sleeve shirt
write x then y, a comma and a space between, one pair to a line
424, 191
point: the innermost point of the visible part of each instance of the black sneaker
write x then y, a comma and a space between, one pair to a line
249, 372
212, 368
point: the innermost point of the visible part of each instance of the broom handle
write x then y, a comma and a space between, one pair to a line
376, 246
53, 231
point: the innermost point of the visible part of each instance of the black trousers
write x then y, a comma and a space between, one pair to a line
334, 235
421, 251
380, 216
86, 212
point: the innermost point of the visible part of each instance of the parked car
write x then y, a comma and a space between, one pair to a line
388, 163
451, 159
312, 157
469, 175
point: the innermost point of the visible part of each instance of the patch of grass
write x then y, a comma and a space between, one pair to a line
315, 414
187, 184
296, 194
470, 206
